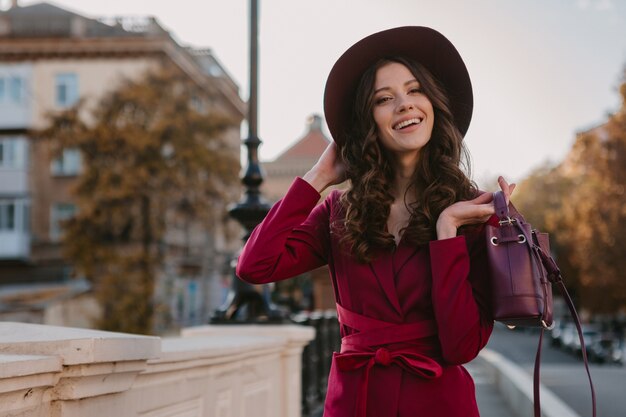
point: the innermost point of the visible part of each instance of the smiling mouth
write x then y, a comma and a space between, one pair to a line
407, 123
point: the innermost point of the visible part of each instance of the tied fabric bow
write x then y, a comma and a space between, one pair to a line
418, 364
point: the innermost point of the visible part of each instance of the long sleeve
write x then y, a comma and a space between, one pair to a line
461, 296
292, 239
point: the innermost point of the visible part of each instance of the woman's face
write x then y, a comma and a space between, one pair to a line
403, 114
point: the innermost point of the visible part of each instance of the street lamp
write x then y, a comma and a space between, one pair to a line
245, 303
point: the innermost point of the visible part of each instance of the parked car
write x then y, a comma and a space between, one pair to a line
603, 348
555, 334
567, 336
619, 354
590, 333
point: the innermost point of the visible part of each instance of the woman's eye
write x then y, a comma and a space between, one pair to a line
381, 100
415, 90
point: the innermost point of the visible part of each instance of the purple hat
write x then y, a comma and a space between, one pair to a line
424, 45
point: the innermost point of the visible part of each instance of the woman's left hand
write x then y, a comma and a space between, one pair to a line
473, 211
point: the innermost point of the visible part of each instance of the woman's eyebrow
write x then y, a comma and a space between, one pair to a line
411, 81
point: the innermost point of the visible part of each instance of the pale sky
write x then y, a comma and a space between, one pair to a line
541, 69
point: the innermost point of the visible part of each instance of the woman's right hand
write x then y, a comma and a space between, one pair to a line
477, 210
328, 170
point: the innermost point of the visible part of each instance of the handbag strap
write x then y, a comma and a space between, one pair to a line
556, 278
499, 203
504, 211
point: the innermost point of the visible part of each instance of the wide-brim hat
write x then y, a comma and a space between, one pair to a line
422, 44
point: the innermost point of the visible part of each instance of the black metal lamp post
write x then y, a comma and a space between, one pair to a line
245, 303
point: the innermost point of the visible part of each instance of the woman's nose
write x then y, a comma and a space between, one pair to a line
405, 105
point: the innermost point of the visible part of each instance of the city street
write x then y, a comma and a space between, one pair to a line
565, 374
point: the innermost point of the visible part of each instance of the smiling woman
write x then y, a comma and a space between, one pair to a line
411, 282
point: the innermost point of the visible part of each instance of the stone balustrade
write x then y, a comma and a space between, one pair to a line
210, 371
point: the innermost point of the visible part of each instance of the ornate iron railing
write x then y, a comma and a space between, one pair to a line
317, 357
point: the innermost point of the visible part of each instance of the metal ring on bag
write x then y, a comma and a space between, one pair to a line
522, 239
494, 241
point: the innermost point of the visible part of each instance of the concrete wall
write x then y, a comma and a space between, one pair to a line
214, 371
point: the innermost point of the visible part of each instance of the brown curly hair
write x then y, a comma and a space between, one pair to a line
438, 180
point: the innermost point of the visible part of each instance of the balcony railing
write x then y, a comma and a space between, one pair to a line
237, 371
14, 245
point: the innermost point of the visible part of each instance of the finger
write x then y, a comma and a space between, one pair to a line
477, 217
486, 210
483, 198
504, 186
476, 212
508, 194
506, 189
483, 214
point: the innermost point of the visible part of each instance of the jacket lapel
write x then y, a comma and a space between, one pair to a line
382, 268
403, 255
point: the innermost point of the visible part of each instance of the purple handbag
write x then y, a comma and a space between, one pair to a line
522, 274
522, 292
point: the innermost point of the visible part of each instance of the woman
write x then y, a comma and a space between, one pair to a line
404, 244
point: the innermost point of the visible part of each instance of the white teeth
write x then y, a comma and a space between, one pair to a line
407, 122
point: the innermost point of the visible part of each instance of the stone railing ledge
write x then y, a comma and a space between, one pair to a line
221, 348
76, 346
12, 366
92, 380
24, 378
195, 352
294, 333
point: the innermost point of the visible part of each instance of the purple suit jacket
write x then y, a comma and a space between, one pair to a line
445, 283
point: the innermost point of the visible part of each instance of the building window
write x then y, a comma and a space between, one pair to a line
66, 89
7, 215
14, 215
69, 163
26, 216
11, 89
198, 105
7, 153
16, 89
12, 153
59, 213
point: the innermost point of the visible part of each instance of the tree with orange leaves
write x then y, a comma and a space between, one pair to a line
153, 151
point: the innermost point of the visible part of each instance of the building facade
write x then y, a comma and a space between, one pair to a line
295, 161
49, 59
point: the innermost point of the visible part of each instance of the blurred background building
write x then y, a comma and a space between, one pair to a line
295, 161
49, 59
